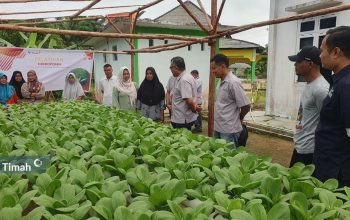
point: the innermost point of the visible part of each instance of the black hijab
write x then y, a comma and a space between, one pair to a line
17, 85
151, 92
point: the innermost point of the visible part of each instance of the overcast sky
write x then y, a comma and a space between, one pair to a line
236, 12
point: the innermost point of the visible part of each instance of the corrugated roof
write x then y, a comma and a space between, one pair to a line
178, 16
226, 43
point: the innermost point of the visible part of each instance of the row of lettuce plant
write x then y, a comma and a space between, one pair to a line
111, 164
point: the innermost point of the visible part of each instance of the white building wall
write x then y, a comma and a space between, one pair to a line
283, 92
194, 59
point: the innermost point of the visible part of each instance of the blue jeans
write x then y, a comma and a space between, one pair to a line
229, 137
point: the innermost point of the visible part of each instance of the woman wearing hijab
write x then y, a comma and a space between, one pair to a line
151, 96
7, 92
125, 92
33, 90
72, 88
17, 81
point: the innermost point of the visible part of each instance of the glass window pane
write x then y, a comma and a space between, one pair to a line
307, 41
301, 79
326, 23
150, 43
307, 26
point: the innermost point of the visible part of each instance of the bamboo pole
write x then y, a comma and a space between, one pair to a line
211, 101
67, 10
146, 50
146, 6
193, 17
220, 12
205, 14
107, 52
133, 19
85, 8
60, 21
96, 34
119, 31
165, 46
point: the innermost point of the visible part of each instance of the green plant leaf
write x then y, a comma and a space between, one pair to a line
123, 213
118, 199
240, 215
11, 213
279, 211
258, 212
26, 198
81, 212
177, 211
35, 214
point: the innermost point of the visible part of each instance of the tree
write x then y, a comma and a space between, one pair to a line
34, 40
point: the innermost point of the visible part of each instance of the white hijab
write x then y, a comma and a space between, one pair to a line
71, 91
127, 87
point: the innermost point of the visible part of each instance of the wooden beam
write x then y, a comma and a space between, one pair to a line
60, 21
146, 6
147, 50
119, 31
219, 15
205, 14
280, 20
211, 101
166, 46
107, 52
10, 27
67, 10
94, 2
193, 17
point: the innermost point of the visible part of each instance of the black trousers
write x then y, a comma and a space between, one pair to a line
303, 158
186, 125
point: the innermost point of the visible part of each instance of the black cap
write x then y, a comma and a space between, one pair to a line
310, 53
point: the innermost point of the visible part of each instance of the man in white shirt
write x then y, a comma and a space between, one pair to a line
183, 96
107, 84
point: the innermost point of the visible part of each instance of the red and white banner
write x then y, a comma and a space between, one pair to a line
51, 65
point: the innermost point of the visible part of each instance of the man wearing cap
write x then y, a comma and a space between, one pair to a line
332, 137
307, 64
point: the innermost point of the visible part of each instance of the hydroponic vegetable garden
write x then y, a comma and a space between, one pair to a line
110, 164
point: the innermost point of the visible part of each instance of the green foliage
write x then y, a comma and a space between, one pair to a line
111, 164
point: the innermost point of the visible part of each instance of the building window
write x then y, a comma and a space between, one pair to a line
327, 23
312, 31
104, 56
150, 43
202, 46
115, 56
307, 26
189, 47
165, 41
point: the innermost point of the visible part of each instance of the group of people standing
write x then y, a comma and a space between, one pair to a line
18, 90
183, 97
322, 133
121, 92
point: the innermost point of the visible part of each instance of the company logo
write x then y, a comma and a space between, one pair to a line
24, 164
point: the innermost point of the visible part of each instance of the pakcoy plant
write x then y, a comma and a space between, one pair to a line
111, 164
